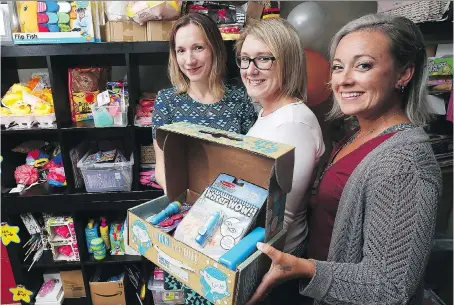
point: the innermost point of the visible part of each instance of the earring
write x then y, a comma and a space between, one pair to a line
401, 88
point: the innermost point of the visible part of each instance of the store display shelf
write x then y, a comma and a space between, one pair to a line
114, 259
85, 49
46, 261
42, 199
90, 125
33, 130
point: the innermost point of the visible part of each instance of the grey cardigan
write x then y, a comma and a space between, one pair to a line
384, 227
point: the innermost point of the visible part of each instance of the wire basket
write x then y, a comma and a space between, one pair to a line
416, 11
147, 154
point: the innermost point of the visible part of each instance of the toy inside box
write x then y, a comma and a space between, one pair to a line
195, 156
62, 238
51, 292
54, 22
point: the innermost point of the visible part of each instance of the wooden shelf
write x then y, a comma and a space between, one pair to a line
85, 49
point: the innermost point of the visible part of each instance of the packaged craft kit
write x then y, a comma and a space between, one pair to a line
43, 22
225, 192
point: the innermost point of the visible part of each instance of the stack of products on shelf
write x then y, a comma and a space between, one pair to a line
111, 106
229, 18
144, 110
84, 87
43, 164
207, 226
27, 105
103, 239
43, 22
105, 171
62, 238
139, 20
51, 292
161, 296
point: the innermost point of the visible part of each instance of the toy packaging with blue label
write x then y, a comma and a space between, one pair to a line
48, 22
221, 216
240, 175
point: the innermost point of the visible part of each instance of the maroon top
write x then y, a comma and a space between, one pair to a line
324, 204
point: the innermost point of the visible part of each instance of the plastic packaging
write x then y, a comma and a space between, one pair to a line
105, 177
104, 229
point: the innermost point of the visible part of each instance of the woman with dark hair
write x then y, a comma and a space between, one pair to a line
197, 67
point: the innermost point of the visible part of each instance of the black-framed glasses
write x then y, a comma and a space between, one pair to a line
261, 62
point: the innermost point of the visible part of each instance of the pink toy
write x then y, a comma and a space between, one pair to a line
47, 287
65, 250
148, 178
63, 231
26, 174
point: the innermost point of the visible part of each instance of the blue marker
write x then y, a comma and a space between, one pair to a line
208, 228
243, 249
171, 209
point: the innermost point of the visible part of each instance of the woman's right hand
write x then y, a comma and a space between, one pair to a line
284, 267
159, 170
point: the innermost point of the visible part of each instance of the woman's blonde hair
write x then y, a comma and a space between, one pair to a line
284, 43
214, 40
407, 49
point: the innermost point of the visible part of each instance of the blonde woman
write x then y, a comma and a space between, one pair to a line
375, 211
197, 66
272, 68
271, 62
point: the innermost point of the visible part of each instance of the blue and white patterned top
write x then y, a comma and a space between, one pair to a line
234, 112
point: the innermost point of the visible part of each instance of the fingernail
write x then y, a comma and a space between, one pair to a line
260, 246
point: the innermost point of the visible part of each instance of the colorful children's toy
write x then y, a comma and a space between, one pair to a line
116, 239
54, 22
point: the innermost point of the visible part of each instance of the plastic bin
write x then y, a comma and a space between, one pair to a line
106, 177
165, 297
109, 116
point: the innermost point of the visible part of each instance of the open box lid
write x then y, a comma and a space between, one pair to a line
195, 155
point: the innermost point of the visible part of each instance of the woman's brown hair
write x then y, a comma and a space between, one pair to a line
214, 40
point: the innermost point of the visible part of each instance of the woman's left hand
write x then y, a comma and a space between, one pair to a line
284, 267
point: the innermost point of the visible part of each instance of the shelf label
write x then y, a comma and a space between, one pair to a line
9, 234
20, 293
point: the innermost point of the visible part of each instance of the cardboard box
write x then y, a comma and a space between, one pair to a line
73, 284
70, 22
123, 31
159, 30
194, 157
254, 11
106, 293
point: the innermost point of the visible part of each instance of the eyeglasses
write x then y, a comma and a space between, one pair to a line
261, 62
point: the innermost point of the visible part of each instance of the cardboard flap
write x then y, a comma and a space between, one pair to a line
195, 155
257, 146
283, 169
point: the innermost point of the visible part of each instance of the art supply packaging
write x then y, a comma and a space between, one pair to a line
236, 204
45, 22
195, 156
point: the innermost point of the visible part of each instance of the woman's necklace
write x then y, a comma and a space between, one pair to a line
357, 136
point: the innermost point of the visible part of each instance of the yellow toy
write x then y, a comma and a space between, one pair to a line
42, 108
4, 111
28, 11
20, 108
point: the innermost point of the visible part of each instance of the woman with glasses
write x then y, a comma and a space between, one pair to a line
197, 66
271, 62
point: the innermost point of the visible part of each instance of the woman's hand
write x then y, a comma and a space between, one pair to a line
284, 267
